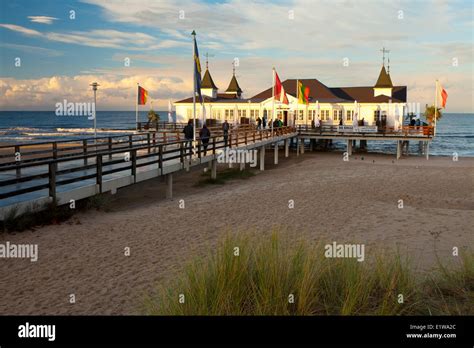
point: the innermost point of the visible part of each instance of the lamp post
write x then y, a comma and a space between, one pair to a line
94, 86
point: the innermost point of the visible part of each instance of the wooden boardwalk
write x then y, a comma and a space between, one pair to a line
34, 175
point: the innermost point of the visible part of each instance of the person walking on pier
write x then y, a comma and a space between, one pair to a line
204, 135
225, 130
188, 134
259, 122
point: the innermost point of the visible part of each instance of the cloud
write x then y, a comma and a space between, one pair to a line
132, 41
42, 19
20, 29
33, 49
115, 93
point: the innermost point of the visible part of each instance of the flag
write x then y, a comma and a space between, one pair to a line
303, 94
279, 91
142, 95
442, 96
197, 71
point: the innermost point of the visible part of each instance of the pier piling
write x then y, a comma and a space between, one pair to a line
262, 158
275, 161
169, 186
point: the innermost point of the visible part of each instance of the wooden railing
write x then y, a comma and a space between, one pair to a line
422, 131
141, 153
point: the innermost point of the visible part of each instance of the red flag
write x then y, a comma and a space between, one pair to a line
280, 93
142, 95
442, 95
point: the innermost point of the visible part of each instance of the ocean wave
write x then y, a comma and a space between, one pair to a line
91, 130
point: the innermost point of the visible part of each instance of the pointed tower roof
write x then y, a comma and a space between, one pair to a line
207, 81
384, 80
234, 86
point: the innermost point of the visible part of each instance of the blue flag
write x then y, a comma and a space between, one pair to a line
197, 71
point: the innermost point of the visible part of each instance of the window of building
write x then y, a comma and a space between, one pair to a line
301, 114
349, 115
324, 115
335, 114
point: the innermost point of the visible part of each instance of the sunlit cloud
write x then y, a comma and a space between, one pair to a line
42, 19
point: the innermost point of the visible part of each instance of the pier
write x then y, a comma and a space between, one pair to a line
37, 174
33, 175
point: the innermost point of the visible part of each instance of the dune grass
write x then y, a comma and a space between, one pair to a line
270, 271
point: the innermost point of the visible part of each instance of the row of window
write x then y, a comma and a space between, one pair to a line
324, 114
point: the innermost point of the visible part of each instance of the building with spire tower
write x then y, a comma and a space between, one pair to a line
381, 104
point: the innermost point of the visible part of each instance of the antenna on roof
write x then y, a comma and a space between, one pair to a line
383, 50
207, 60
233, 67
388, 65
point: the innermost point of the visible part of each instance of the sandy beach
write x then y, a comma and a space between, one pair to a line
355, 201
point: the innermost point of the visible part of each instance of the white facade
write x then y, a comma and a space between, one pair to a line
329, 113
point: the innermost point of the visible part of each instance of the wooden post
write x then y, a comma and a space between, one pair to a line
214, 169
52, 182
17, 151
245, 138
214, 145
297, 146
110, 148
287, 147
99, 172
427, 150
275, 161
160, 158
148, 142
199, 148
55, 153
169, 186
262, 157
134, 165
130, 141
349, 147
55, 150
181, 152
399, 149
84, 150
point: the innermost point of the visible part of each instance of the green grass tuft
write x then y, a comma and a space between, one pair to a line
269, 269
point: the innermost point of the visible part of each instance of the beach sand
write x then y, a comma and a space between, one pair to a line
355, 201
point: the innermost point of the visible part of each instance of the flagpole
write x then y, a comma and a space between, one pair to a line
436, 107
273, 98
297, 100
194, 89
136, 109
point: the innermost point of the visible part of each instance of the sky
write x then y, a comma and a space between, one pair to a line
51, 50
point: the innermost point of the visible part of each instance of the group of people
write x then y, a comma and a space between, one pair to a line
262, 122
415, 121
204, 134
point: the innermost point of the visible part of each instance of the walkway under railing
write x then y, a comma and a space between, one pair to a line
100, 159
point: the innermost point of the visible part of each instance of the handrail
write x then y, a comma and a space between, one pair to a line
403, 130
160, 150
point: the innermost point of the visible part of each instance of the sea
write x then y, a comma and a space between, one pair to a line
455, 131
